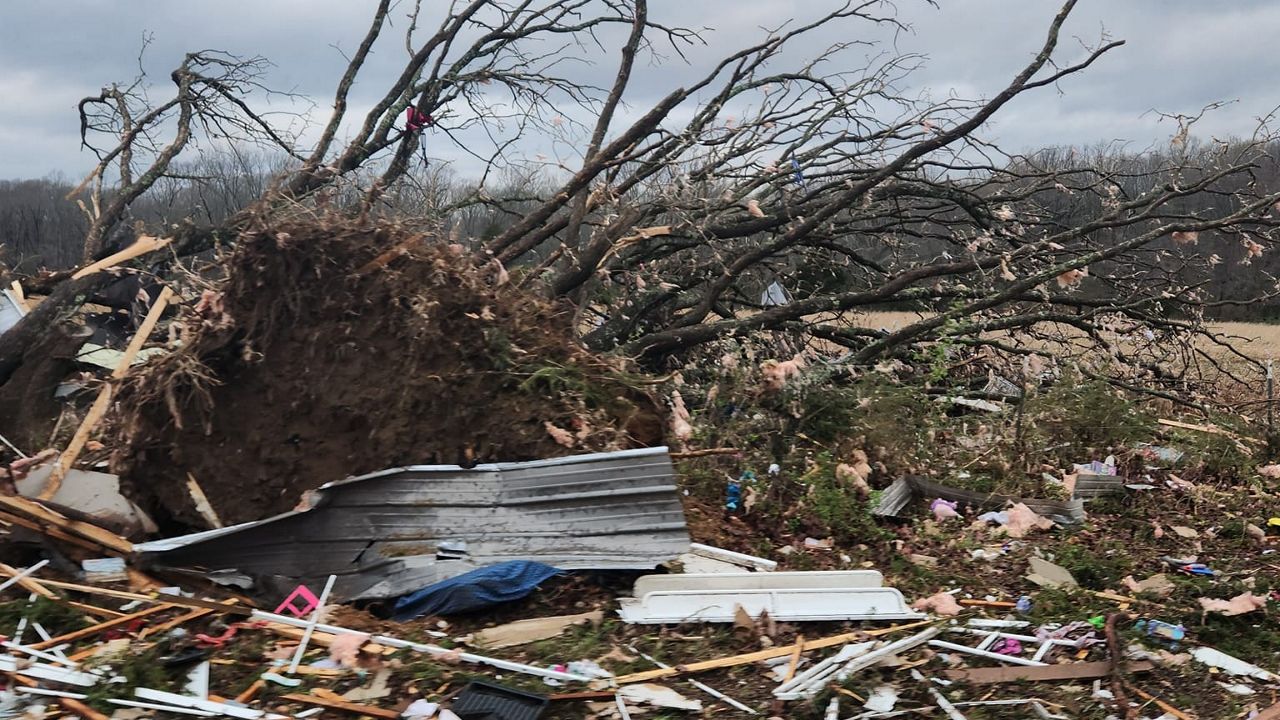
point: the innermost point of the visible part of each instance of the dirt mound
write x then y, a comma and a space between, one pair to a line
335, 348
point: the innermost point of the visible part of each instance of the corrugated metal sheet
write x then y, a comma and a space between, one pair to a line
395, 531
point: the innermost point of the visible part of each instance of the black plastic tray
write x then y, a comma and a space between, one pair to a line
486, 701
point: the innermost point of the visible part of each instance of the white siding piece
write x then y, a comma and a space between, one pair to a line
790, 605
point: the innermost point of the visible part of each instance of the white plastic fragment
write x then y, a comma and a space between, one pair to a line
311, 624
23, 575
278, 679
730, 556
882, 699
420, 708
217, 708
622, 707
833, 709
1229, 664
1014, 659
819, 672
41, 671
706, 688
657, 695
938, 698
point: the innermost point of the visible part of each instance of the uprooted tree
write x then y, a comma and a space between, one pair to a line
664, 231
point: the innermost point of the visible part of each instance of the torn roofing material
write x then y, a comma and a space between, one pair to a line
396, 531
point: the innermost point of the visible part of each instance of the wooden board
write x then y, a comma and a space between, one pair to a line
761, 655
103, 401
1071, 671
143, 245
29, 508
343, 705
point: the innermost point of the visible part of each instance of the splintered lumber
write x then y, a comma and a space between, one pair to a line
795, 660
90, 609
40, 514
343, 705
251, 691
323, 639
27, 583
94, 629
49, 530
20, 296
157, 598
71, 704
1159, 703
1073, 671
103, 401
1211, 430
763, 654
183, 619
143, 245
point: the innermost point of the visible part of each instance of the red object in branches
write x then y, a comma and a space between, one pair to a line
415, 120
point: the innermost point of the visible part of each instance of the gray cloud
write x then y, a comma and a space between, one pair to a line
1180, 55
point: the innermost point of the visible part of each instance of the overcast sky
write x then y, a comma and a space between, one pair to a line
1180, 55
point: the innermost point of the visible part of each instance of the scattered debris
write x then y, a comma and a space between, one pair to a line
658, 696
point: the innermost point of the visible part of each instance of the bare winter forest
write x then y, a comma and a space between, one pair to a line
789, 309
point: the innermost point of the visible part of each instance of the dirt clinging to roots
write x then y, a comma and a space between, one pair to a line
335, 348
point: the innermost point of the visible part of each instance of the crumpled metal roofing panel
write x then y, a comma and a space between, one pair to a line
390, 532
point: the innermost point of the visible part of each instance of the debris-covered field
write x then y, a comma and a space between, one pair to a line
817, 543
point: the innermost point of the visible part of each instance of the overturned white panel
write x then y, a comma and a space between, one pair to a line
821, 579
795, 605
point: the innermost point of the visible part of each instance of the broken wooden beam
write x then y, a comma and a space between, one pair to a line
93, 629
764, 654
33, 510
343, 705
103, 401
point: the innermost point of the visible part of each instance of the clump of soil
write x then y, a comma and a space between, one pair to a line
336, 348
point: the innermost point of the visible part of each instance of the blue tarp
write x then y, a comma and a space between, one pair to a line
475, 590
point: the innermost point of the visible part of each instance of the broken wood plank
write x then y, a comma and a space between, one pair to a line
28, 583
157, 598
1159, 703
1072, 671
143, 245
49, 531
324, 639
764, 654
251, 691
71, 704
103, 401
795, 660
343, 705
31, 509
688, 454
19, 296
202, 502
91, 609
183, 619
93, 629
1209, 429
